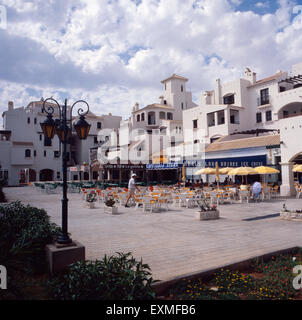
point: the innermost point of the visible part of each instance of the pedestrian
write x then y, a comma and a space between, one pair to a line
131, 189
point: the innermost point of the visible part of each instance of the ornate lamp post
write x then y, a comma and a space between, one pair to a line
63, 127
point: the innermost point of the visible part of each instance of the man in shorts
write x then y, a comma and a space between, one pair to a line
131, 188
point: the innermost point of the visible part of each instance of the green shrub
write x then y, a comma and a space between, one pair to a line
118, 277
24, 232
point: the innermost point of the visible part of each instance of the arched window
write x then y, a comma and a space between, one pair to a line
27, 153
170, 116
143, 117
162, 115
138, 118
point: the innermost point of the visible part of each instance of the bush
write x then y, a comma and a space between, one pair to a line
118, 277
24, 232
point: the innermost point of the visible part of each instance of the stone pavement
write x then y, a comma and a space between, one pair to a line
172, 242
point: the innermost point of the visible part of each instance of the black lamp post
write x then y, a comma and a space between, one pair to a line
63, 127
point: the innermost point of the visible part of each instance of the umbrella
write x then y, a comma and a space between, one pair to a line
242, 171
297, 168
183, 173
225, 170
266, 170
206, 171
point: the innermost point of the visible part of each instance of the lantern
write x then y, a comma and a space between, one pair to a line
48, 127
82, 128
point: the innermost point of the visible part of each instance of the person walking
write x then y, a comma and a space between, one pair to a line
131, 188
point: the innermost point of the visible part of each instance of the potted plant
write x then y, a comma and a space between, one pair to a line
110, 207
90, 200
286, 214
206, 211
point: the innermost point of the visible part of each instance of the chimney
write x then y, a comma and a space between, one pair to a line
136, 106
218, 92
10, 105
249, 75
161, 100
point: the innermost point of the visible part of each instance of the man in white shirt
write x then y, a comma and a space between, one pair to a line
131, 188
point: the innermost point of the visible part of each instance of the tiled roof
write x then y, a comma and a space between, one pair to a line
155, 105
267, 79
175, 76
260, 141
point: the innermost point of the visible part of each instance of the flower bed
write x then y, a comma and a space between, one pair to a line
272, 280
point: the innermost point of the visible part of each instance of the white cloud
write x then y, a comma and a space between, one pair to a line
116, 52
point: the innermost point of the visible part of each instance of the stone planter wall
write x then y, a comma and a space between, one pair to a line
290, 215
90, 205
207, 215
111, 210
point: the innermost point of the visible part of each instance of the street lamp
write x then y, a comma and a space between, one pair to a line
63, 127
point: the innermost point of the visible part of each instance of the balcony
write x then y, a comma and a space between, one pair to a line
264, 101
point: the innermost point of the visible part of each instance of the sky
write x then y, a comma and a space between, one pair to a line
114, 53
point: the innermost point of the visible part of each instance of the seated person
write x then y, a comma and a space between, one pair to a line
188, 184
197, 184
256, 189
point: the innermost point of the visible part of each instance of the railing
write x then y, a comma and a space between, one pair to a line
263, 101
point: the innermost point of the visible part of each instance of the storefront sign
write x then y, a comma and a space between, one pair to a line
124, 166
250, 161
163, 166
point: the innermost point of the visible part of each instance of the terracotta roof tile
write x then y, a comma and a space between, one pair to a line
260, 141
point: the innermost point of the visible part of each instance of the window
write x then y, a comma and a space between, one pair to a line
28, 120
35, 153
258, 117
162, 115
40, 136
27, 153
47, 142
58, 174
151, 117
165, 86
138, 118
170, 116
182, 106
143, 117
195, 124
99, 125
268, 115
264, 96
182, 88
165, 101
44, 153
229, 99
95, 139
35, 121
56, 154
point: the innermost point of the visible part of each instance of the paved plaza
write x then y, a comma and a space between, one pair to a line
172, 242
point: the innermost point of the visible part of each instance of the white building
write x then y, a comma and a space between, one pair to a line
149, 129
273, 103
25, 153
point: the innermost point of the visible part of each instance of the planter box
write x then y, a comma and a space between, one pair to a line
291, 215
111, 210
90, 205
207, 215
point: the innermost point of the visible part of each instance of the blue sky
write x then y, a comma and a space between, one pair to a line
115, 53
